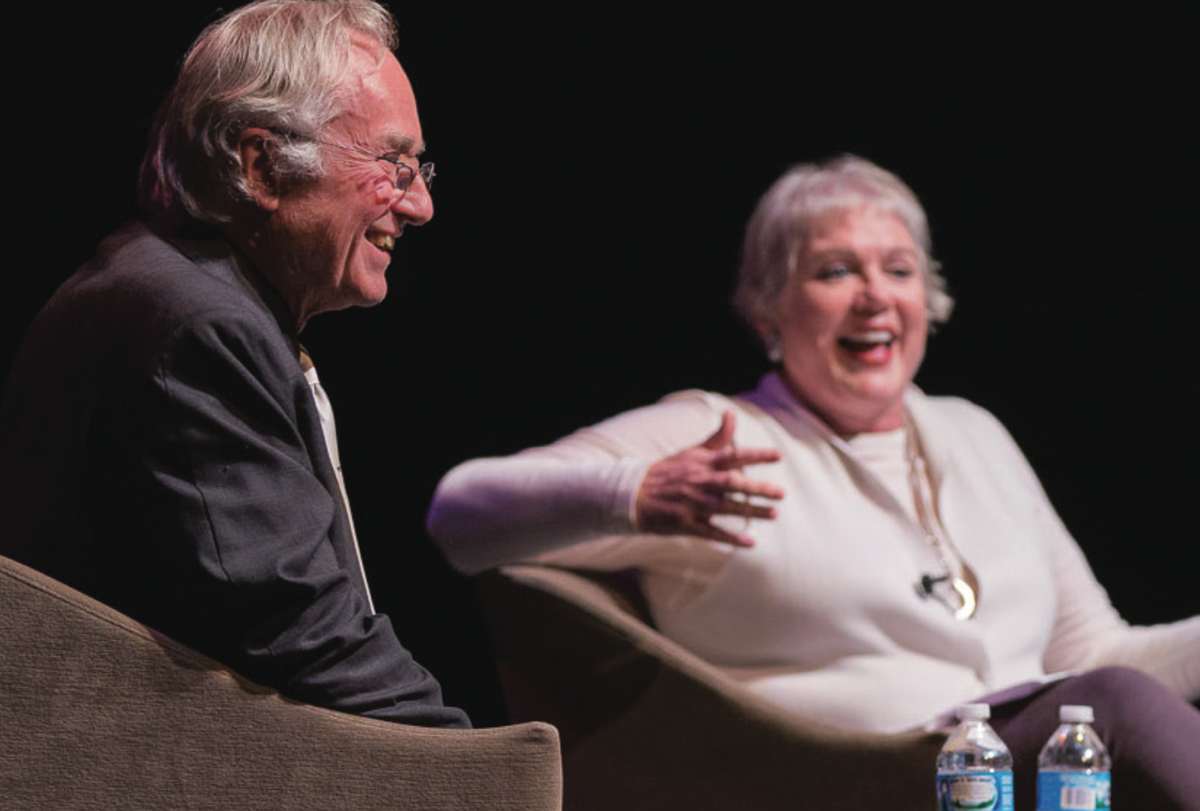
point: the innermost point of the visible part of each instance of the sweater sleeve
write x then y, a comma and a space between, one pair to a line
571, 502
1088, 631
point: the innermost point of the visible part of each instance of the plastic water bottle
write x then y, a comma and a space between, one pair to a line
1074, 767
974, 769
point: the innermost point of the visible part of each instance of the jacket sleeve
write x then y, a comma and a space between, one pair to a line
243, 529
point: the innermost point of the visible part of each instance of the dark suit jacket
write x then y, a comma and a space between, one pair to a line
160, 450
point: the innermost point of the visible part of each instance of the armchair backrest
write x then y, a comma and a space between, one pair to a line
646, 724
96, 710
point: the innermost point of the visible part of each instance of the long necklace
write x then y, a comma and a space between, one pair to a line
962, 579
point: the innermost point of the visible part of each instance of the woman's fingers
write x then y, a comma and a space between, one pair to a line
706, 504
680, 494
736, 482
723, 436
746, 509
736, 458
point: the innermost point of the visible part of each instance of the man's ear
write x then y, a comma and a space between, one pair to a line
255, 145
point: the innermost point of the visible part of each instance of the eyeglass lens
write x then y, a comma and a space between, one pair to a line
406, 174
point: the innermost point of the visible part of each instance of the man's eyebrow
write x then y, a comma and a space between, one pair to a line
403, 144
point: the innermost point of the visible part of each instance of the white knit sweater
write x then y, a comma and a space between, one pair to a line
822, 616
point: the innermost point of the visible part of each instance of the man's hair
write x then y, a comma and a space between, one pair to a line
282, 65
780, 226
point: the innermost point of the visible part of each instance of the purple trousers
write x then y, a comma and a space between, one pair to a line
1152, 734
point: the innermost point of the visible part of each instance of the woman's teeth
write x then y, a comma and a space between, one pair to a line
866, 340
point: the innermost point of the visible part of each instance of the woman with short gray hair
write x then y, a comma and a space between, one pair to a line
891, 556
784, 215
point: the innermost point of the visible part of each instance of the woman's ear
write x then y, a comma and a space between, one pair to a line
769, 334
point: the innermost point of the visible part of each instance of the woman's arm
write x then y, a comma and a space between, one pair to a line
1088, 631
665, 469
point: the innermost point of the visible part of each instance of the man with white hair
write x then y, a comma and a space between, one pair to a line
165, 445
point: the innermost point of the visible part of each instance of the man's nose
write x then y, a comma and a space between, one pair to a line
415, 205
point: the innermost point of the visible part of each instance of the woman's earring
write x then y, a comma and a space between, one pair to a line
774, 349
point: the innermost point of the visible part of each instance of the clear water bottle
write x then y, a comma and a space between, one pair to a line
974, 769
1074, 767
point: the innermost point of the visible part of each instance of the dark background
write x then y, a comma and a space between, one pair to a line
594, 175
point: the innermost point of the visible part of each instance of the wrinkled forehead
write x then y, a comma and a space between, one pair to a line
380, 107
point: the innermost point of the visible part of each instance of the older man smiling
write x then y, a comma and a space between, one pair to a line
167, 447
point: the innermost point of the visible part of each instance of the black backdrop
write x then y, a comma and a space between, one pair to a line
594, 174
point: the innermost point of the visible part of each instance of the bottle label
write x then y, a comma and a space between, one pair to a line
1073, 791
975, 791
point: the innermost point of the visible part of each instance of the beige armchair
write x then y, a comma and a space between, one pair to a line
647, 725
99, 711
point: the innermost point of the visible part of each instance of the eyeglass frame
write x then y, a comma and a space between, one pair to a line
425, 170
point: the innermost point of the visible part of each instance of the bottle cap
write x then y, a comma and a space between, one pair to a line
1075, 714
974, 712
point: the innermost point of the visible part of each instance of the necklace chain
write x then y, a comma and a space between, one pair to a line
957, 571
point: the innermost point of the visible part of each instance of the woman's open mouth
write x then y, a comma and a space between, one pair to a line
872, 346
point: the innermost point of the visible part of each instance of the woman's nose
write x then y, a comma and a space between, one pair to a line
872, 294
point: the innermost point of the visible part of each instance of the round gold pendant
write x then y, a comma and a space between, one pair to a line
967, 595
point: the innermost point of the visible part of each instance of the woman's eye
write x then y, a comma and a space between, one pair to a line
901, 271
834, 271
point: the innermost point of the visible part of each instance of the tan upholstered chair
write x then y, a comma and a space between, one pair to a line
98, 711
647, 725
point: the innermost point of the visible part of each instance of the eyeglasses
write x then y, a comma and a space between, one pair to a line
402, 172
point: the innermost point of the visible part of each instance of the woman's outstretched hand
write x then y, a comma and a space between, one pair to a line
681, 493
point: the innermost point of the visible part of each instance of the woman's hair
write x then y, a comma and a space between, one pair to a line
282, 65
781, 223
